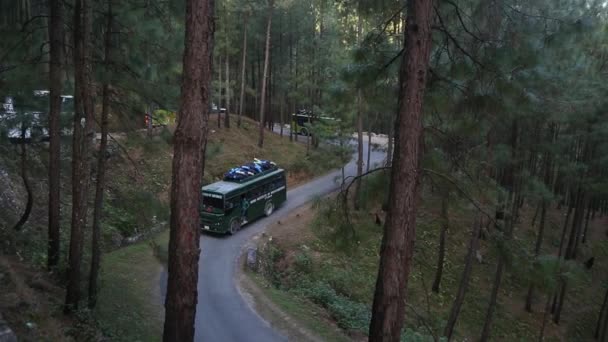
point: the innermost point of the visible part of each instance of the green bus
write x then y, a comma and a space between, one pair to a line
300, 119
227, 205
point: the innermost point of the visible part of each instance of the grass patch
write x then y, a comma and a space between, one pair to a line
130, 307
313, 318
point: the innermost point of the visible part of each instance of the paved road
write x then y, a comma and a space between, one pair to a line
222, 314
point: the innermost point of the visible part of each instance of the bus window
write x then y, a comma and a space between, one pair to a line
232, 203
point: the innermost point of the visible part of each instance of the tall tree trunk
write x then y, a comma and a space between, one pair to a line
464, 279
587, 218
541, 335
369, 143
547, 175
188, 155
81, 145
389, 149
101, 166
539, 242
359, 125
265, 76
513, 188
227, 114
570, 252
243, 67
445, 224
26, 183
602, 317
282, 114
55, 87
220, 90
397, 248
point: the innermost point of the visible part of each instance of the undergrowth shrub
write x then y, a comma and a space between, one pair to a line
349, 314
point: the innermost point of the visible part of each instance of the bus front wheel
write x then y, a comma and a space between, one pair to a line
235, 226
268, 208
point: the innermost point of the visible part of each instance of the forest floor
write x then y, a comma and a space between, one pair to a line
313, 267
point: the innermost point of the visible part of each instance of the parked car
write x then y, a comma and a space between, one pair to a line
214, 109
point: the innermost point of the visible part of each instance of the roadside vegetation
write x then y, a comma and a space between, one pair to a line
322, 260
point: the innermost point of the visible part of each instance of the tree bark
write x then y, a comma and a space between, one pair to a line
464, 279
243, 69
81, 145
55, 87
190, 135
101, 166
445, 224
397, 248
265, 76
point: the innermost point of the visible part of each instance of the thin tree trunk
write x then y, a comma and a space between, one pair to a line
26, 183
536, 211
359, 126
464, 279
55, 87
539, 242
587, 218
389, 149
220, 90
101, 167
445, 224
243, 67
570, 252
227, 114
547, 175
190, 135
602, 317
369, 144
282, 113
541, 336
265, 76
513, 187
397, 247
82, 137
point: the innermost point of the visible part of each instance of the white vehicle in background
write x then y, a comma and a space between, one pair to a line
214, 109
37, 121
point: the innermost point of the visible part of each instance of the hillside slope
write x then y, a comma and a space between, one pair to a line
135, 208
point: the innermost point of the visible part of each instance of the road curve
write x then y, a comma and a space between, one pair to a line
222, 314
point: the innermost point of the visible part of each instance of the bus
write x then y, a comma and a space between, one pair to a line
229, 204
300, 119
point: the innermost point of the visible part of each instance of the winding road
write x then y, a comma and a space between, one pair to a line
222, 314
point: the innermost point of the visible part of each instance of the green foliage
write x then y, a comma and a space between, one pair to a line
348, 314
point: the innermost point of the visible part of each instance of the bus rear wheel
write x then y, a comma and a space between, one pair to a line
235, 226
268, 208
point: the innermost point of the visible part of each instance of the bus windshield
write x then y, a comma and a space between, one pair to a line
213, 201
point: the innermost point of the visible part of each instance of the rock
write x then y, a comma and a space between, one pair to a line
252, 258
